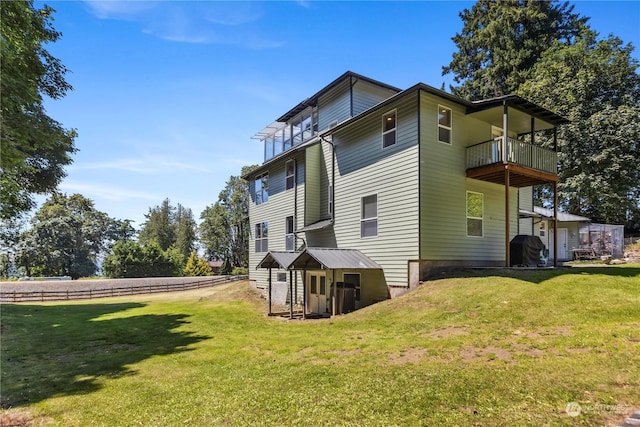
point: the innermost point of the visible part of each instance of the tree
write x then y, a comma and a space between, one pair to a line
595, 84
66, 237
170, 226
501, 41
224, 229
197, 266
159, 226
185, 227
132, 259
35, 147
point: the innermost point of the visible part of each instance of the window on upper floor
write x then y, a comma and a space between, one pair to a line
289, 237
475, 214
389, 129
369, 216
444, 124
301, 128
262, 237
290, 174
262, 189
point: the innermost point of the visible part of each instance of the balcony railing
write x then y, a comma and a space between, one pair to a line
518, 152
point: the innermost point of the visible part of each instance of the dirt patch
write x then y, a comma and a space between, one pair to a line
20, 417
471, 354
451, 331
411, 355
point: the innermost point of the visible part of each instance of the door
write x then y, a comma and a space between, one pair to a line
317, 293
562, 243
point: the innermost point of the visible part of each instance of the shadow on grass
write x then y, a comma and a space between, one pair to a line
540, 275
62, 350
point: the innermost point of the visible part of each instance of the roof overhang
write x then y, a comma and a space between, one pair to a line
319, 225
562, 216
333, 259
277, 259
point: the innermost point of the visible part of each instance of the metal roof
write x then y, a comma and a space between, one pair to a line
562, 217
332, 258
276, 259
318, 225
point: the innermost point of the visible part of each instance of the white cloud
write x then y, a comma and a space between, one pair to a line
227, 23
106, 191
143, 165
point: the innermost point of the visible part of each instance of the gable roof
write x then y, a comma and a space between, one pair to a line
313, 99
562, 216
318, 258
332, 258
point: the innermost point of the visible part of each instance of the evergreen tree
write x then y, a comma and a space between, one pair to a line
197, 266
170, 226
502, 40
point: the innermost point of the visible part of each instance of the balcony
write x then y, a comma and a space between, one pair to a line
521, 164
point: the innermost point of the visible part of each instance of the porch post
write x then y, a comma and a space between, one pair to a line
334, 284
555, 224
269, 291
507, 246
304, 294
290, 294
505, 124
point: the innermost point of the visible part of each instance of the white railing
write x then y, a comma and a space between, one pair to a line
518, 152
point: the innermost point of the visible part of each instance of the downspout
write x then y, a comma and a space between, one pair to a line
333, 177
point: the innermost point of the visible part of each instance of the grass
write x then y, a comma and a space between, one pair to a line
493, 348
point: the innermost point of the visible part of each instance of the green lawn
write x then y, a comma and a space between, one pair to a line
494, 348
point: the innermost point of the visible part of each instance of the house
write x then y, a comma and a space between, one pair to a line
366, 189
568, 230
215, 267
577, 236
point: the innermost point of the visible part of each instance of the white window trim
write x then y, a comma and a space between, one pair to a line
286, 177
449, 128
259, 177
467, 217
262, 239
395, 129
287, 234
369, 219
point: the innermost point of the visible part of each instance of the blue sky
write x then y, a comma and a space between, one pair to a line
168, 94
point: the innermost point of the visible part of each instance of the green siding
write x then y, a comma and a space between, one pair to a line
334, 106
525, 200
443, 191
366, 95
281, 204
364, 168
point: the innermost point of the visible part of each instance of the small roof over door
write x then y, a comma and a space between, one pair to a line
332, 258
276, 259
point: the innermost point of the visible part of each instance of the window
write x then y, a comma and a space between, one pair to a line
369, 216
281, 277
389, 129
330, 205
475, 213
262, 189
444, 124
289, 237
262, 237
290, 172
354, 280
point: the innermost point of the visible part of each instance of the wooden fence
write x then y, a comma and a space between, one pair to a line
71, 294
